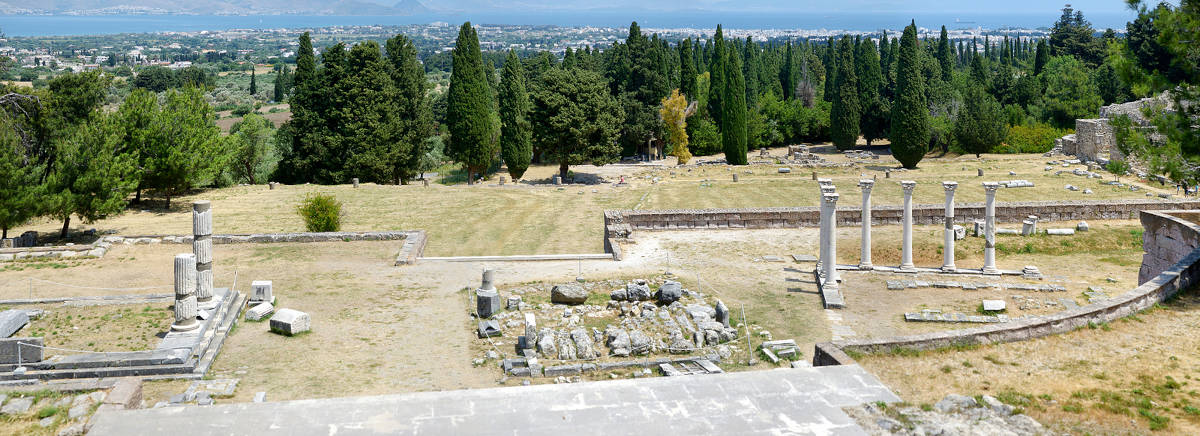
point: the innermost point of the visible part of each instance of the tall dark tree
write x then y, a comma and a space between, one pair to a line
687, 70
306, 131
910, 114
846, 113
830, 62
786, 74
414, 119
1074, 35
253, 84
733, 122
575, 118
1041, 57
945, 58
875, 119
717, 78
980, 124
516, 140
750, 71
470, 108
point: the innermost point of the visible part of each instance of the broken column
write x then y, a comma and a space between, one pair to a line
948, 245
185, 293
828, 220
531, 332
202, 248
989, 220
906, 262
865, 256
487, 298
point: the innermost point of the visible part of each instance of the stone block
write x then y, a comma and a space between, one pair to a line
259, 311
21, 350
568, 293
670, 292
993, 305
1060, 232
488, 329
290, 322
11, 321
17, 406
487, 303
531, 332
261, 291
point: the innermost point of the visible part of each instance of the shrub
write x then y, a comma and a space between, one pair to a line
1034, 138
243, 110
1118, 167
321, 213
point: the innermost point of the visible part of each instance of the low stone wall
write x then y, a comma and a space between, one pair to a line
1168, 235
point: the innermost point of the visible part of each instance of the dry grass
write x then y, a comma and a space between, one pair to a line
130, 327
1117, 378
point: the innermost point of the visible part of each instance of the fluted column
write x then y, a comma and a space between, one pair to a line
823, 232
185, 293
202, 248
906, 262
829, 201
865, 256
948, 246
989, 219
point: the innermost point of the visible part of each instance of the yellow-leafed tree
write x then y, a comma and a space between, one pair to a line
674, 112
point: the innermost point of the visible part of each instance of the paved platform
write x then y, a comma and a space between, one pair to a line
781, 401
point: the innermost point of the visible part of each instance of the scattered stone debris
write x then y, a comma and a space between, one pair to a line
953, 415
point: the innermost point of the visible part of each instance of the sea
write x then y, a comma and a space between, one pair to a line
65, 25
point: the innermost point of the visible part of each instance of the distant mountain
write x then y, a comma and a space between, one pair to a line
210, 7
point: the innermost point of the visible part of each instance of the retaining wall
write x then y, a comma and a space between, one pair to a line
1171, 238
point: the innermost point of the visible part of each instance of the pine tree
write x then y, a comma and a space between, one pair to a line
687, 71
944, 57
733, 122
516, 140
910, 115
846, 112
717, 78
980, 124
785, 72
253, 83
875, 117
415, 118
1041, 58
575, 119
469, 107
19, 180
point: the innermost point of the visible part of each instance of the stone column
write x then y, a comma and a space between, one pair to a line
825, 227
202, 248
829, 203
185, 293
906, 262
948, 245
989, 219
865, 256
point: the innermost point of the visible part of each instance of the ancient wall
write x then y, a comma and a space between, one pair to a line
1172, 239
1093, 139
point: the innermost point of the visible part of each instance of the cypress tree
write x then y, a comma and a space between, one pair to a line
846, 112
280, 77
875, 120
306, 129
717, 78
516, 143
687, 70
910, 115
415, 122
979, 73
750, 72
253, 84
733, 122
785, 72
943, 53
469, 107
1041, 57
830, 61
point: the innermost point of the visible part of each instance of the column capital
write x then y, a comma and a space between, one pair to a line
825, 182
991, 187
830, 199
866, 184
908, 186
828, 189
949, 186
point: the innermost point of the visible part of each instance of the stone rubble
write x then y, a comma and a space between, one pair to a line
953, 415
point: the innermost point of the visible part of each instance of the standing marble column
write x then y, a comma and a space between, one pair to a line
948, 245
906, 262
829, 201
823, 232
185, 293
989, 219
202, 248
865, 256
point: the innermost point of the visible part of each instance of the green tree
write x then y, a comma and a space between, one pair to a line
90, 178
980, 124
305, 133
575, 119
250, 143
717, 78
786, 76
469, 107
1070, 91
516, 138
687, 70
414, 117
155, 78
875, 119
1041, 57
368, 118
910, 115
733, 121
945, 58
20, 185
187, 147
847, 113
253, 84
1073, 35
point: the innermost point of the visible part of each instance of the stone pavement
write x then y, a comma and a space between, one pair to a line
780, 401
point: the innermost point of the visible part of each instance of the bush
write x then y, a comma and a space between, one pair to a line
243, 110
321, 213
705, 138
1034, 138
1118, 167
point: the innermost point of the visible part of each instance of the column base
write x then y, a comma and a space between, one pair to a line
991, 270
949, 268
866, 266
185, 326
910, 268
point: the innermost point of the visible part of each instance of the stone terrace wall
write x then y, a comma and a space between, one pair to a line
622, 222
1169, 234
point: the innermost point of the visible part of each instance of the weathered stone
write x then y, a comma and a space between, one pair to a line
1082, 226
619, 295
584, 347
568, 293
546, 343
259, 311
487, 303
261, 290
488, 328
679, 344
565, 345
260, 397
954, 402
290, 322
11, 321
637, 291
17, 406
531, 332
669, 292
617, 341
993, 305
513, 302
722, 315
1060, 232
639, 343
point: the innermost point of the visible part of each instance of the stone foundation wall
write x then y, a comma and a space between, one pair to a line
1171, 238
1093, 138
